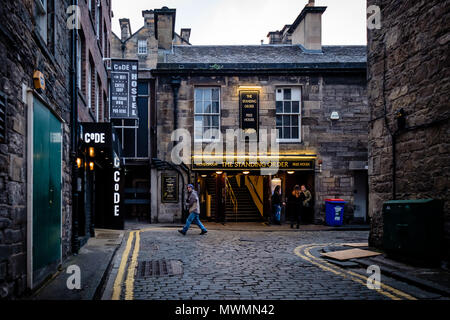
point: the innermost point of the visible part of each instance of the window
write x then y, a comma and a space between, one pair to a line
89, 86
3, 104
133, 134
97, 99
41, 18
207, 114
98, 20
80, 50
142, 46
288, 114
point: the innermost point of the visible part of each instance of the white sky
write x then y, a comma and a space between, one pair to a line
228, 22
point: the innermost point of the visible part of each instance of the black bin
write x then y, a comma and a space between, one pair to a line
413, 230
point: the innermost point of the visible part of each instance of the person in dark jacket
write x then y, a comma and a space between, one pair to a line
276, 205
295, 206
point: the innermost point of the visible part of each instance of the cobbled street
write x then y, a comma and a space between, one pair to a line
238, 265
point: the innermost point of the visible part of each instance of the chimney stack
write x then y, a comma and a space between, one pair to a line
307, 28
165, 27
125, 29
149, 18
185, 34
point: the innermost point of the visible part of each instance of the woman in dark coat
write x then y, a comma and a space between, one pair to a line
276, 205
295, 205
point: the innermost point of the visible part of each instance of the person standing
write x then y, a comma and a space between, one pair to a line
307, 207
276, 206
295, 206
193, 204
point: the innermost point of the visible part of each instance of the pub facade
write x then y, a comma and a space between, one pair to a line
306, 100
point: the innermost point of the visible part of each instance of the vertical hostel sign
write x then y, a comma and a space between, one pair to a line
249, 112
124, 89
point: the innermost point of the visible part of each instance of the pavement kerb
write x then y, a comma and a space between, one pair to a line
421, 283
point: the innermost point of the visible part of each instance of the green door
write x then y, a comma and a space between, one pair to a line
46, 189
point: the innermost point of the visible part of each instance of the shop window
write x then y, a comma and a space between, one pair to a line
288, 110
207, 114
3, 105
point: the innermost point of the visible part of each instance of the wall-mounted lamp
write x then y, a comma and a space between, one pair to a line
91, 152
79, 163
219, 172
291, 172
246, 172
204, 175
91, 166
335, 115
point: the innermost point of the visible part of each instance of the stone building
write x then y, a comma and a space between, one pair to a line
93, 48
314, 94
35, 166
138, 143
408, 72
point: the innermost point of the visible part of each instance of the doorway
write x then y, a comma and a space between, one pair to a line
46, 170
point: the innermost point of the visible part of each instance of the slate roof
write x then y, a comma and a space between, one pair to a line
264, 57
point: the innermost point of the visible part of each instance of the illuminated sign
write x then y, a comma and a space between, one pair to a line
124, 89
249, 113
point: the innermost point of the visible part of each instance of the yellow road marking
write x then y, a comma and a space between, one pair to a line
119, 278
129, 284
347, 274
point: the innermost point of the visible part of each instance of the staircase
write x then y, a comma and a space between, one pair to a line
247, 211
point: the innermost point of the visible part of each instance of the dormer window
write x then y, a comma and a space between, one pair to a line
142, 47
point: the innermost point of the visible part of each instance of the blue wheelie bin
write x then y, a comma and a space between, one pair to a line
334, 212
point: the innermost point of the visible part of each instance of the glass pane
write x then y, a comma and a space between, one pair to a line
207, 95
295, 133
143, 88
215, 107
279, 121
198, 107
287, 94
198, 94
279, 106
129, 143
143, 128
206, 122
215, 121
286, 133
207, 134
116, 122
198, 125
287, 107
130, 123
294, 120
207, 106
295, 107
215, 94
286, 121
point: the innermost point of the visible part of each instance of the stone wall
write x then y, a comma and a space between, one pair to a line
408, 68
341, 145
21, 52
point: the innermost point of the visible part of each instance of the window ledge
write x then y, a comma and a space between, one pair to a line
289, 141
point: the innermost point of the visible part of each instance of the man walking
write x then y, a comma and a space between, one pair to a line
194, 211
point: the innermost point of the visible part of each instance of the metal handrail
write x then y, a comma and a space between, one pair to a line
232, 197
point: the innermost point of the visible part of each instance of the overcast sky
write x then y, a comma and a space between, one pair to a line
229, 22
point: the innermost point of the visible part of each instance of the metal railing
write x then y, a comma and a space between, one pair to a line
232, 197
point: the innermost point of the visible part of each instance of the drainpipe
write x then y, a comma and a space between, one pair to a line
74, 136
176, 82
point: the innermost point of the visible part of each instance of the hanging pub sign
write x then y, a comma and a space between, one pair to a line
249, 113
124, 89
169, 188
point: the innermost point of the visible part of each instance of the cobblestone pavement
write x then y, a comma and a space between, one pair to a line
237, 265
